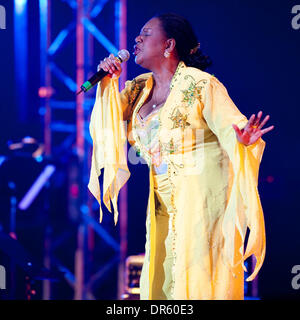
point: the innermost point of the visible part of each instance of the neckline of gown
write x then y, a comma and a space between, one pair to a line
149, 114
181, 65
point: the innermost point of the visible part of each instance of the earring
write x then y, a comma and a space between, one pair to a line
167, 54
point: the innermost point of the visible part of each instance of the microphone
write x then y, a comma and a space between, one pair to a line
123, 55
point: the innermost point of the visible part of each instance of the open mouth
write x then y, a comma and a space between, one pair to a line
136, 51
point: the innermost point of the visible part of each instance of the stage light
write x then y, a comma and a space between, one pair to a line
36, 187
21, 56
74, 191
20, 6
270, 179
2, 159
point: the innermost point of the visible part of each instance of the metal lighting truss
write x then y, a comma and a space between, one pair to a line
83, 31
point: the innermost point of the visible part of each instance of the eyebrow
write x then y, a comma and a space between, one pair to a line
146, 29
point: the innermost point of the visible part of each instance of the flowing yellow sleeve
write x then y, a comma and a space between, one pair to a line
243, 205
108, 132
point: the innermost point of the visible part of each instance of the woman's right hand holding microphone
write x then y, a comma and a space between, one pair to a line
112, 65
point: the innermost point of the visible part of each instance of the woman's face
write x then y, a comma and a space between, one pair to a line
150, 45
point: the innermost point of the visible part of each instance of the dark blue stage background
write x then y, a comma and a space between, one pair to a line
256, 55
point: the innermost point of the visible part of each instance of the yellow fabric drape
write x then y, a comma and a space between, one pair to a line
220, 112
107, 130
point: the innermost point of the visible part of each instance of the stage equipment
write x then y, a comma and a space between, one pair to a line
133, 271
66, 127
24, 184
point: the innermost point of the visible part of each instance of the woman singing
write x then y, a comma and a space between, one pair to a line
203, 157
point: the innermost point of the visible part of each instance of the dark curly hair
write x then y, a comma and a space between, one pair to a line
178, 28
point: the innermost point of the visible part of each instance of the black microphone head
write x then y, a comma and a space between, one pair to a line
124, 55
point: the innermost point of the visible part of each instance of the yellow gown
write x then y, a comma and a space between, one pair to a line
204, 198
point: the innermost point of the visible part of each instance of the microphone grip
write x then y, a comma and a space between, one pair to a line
93, 80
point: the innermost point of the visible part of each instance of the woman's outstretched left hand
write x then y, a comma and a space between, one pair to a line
253, 129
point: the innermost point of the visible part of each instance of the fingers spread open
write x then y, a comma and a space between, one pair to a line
267, 130
257, 120
250, 122
267, 117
